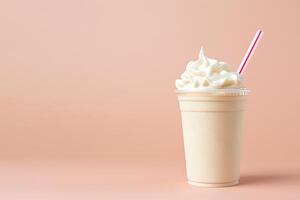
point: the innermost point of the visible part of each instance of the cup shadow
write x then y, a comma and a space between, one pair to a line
270, 178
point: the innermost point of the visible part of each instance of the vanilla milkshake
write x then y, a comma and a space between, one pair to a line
212, 103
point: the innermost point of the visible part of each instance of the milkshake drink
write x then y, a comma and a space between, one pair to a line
212, 103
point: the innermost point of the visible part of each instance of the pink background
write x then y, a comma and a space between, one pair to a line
87, 103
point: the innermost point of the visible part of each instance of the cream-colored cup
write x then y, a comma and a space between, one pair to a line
212, 126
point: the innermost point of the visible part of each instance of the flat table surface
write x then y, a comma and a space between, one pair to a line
52, 179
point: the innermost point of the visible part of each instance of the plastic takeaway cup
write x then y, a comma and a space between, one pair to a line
212, 123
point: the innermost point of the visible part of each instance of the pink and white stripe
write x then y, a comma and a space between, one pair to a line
250, 51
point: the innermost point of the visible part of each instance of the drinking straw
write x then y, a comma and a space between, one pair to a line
250, 51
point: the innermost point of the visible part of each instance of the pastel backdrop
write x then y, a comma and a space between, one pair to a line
94, 80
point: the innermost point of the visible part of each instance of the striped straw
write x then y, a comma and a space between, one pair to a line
250, 51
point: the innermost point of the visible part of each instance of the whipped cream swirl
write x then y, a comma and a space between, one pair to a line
206, 73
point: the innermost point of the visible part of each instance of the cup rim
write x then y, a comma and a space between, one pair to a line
214, 91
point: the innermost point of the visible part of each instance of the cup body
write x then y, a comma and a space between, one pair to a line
212, 132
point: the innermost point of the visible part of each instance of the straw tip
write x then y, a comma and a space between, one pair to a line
260, 31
